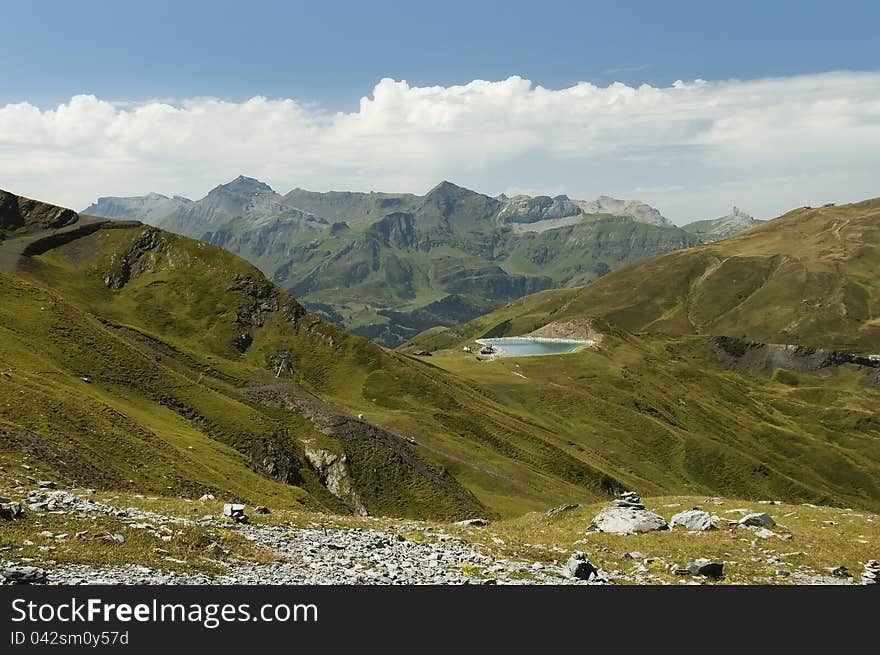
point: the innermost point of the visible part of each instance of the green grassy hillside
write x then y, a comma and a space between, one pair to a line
808, 277
136, 359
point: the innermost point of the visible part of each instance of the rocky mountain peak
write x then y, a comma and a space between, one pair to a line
242, 186
447, 189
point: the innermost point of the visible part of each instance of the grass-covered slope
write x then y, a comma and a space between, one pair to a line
808, 277
133, 358
188, 333
128, 357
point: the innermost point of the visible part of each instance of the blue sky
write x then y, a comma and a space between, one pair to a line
333, 52
690, 106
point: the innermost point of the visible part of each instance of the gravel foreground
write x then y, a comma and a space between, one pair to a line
314, 555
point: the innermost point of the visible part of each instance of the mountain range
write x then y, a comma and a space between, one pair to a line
136, 359
390, 265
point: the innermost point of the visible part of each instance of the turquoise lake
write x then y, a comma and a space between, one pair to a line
518, 347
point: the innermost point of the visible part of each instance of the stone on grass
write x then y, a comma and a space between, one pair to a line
692, 519
706, 567
579, 566
758, 519
473, 522
555, 511
235, 511
10, 511
626, 520
261, 509
764, 533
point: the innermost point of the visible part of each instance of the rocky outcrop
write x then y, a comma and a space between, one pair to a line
265, 300
767, 357
540, 208
332, 469
138, 259
18, 212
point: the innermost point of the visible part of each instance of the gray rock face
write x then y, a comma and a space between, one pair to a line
333, 470
706, 567
635, 209
150, 209
626, 520
24, 575
692, 519
579, 566
871, 574
758, 519
540, 208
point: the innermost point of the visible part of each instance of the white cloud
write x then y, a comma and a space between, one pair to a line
692, 148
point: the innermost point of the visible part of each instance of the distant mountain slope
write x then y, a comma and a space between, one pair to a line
389, 265
150, 209
808, 277
722, 228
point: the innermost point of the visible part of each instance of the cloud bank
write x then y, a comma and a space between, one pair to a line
692, 148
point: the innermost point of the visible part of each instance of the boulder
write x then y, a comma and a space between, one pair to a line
473, 522
261, 509
24, 575
205, 497
235, 511
10, 511
758, 519
555, 511
579, 566
692, 519
764, 533
626, 520
46, 484
706, 567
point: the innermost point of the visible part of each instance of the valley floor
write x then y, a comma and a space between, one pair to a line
88, 537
